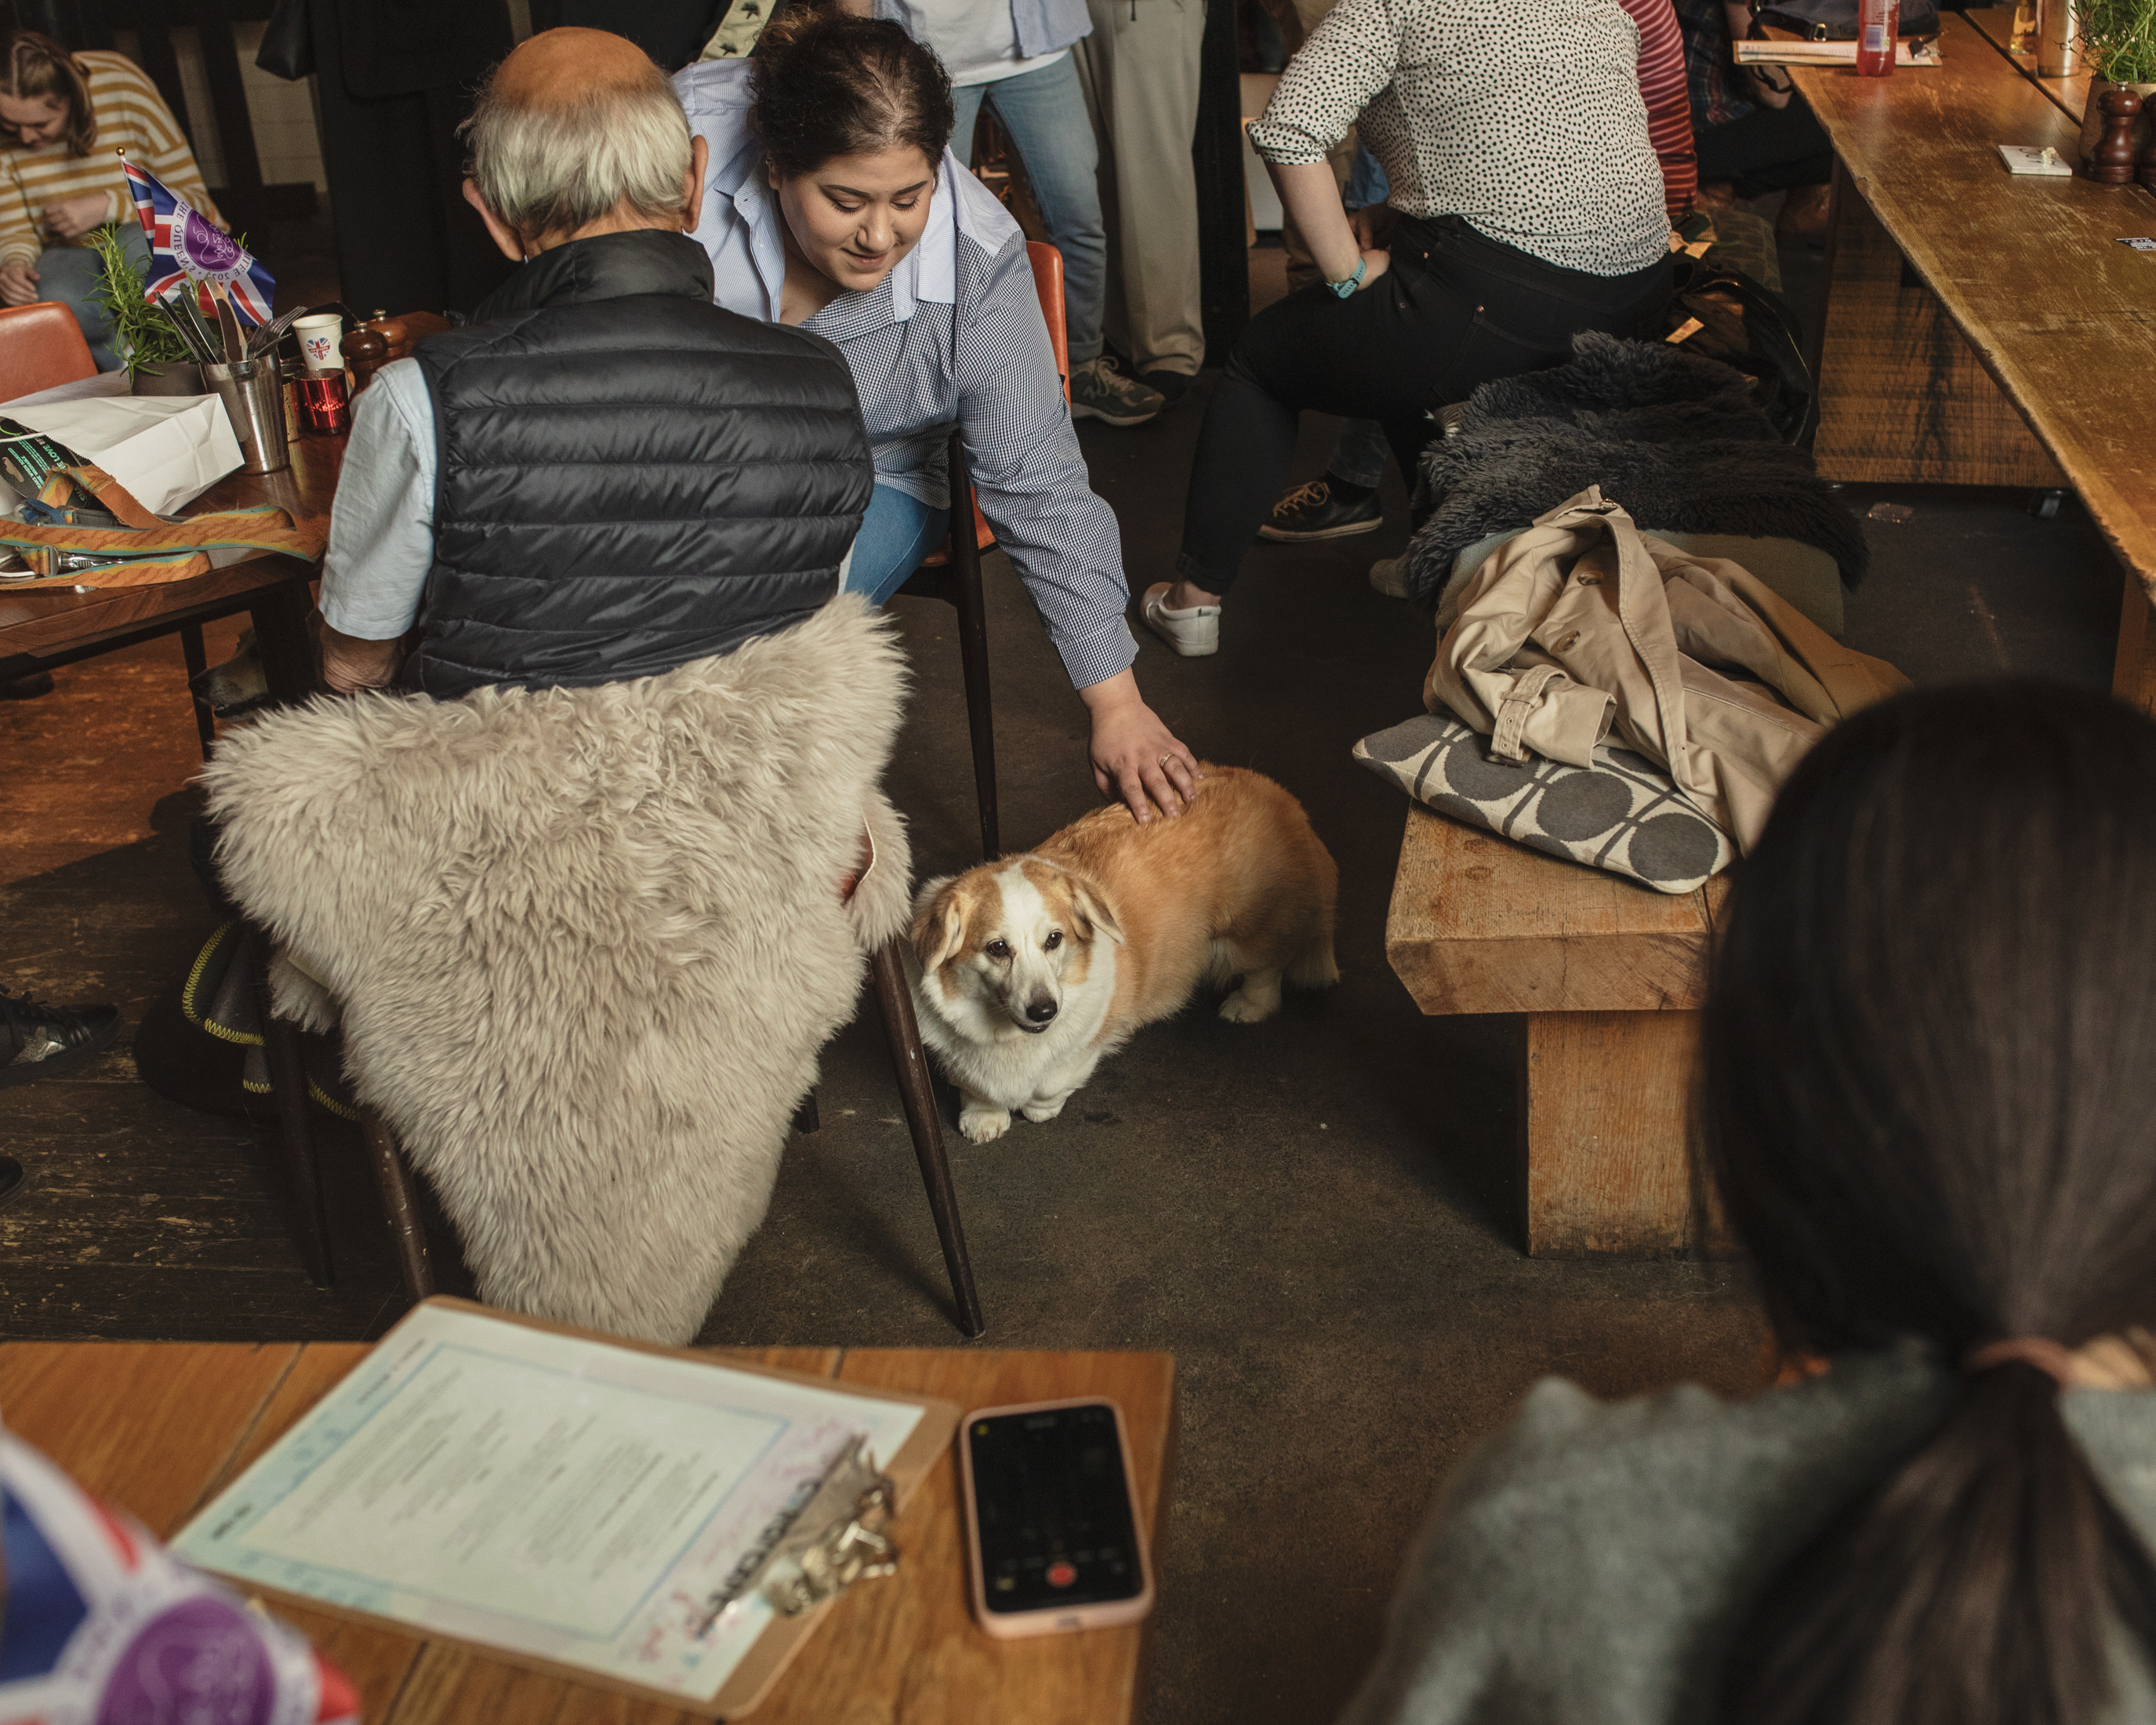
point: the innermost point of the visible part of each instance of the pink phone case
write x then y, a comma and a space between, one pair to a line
1052, 1620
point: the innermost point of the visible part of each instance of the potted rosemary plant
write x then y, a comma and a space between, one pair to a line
161, 359
2119, 37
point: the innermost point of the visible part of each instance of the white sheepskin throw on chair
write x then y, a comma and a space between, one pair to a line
586, 942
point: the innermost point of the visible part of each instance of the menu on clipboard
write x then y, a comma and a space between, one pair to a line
556, 1497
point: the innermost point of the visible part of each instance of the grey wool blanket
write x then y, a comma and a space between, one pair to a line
1674, 438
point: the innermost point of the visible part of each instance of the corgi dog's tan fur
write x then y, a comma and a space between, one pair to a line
1028, 971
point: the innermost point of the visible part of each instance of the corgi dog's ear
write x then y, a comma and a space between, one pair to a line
1092, 911
940, 929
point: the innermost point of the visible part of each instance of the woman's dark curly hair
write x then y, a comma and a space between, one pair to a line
828, 84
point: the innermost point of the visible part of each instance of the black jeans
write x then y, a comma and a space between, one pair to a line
1455, 310
1767, 150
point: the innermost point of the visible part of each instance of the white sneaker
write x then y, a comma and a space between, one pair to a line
1390, 576
1194, 632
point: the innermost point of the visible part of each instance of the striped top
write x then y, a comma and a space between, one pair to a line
1662, 88
130, 116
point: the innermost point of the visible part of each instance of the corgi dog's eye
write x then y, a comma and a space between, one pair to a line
997, 949
1054, 940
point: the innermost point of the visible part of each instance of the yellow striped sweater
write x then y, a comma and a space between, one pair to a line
130, 116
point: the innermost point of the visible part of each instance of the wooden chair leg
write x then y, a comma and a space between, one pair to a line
911, 1059
288, 1088
400, 1204
973, 647
198, 658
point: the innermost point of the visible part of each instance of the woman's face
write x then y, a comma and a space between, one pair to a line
33, 122
856, 216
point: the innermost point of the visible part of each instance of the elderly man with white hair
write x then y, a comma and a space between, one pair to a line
603, 475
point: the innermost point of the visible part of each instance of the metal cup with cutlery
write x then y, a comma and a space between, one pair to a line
253, 392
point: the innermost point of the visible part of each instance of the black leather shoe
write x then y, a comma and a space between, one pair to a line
1172, 386
1321, 510
39, 1041
12, 1179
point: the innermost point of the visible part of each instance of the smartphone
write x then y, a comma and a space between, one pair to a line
1048, 1514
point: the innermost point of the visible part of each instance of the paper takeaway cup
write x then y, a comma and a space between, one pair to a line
320, 336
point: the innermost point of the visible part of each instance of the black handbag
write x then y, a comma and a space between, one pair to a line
1836, 20
1750, 327
288, 43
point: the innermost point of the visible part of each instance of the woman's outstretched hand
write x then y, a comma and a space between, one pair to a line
1136, 757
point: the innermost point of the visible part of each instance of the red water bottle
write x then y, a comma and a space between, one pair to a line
1878, 24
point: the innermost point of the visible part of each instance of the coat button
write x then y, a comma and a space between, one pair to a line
1568, 644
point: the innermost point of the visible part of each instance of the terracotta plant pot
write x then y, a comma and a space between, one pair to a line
178, 378
2092, 118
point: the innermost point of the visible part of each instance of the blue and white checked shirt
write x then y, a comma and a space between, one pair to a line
953, 335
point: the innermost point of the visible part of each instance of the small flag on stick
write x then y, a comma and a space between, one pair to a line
186, 246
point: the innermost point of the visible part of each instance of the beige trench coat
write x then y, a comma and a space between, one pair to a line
1582, 626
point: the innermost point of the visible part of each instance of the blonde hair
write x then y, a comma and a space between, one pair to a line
553, 167
32, 65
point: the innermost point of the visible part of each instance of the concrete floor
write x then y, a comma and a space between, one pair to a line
1313, 1214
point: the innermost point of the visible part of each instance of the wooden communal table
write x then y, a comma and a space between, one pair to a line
1983, 327
41, 629
159, 1427
1605, 978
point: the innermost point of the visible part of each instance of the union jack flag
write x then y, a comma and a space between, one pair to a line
185, 246
103, 1624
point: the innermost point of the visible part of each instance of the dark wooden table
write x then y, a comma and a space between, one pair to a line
40, 630
1983, 327
160, 1427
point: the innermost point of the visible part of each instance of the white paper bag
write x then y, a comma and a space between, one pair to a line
166, 450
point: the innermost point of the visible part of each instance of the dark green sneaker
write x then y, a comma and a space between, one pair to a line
1323, 509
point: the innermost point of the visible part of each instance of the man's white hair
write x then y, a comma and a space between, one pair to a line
553, 167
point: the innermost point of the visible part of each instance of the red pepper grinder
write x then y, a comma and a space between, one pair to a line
2112, 162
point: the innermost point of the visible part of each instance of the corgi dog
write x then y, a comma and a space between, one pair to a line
1029, 971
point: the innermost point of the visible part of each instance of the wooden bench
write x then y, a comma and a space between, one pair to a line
1606, 978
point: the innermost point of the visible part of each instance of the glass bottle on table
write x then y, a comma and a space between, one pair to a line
1878, 22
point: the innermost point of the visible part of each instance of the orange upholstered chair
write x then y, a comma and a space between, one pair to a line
953, 572
40, 346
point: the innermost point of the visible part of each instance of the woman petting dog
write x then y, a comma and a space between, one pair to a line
1929, 1047
835, 203
1525, 204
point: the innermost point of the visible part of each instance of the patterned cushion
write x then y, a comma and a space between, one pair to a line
1624, 814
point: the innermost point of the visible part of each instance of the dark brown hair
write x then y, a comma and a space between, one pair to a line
828, 84
31, 66
1930, 1106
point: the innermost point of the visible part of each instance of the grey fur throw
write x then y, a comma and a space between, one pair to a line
587, 944
1677, 440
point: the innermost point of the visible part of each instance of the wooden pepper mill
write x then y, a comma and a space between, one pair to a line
2112, 162
382, 338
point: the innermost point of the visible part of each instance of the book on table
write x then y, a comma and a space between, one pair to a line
558, 1499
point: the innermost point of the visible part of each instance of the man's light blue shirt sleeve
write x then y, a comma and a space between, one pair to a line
382, 526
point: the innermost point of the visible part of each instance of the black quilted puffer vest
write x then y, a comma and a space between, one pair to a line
630, 478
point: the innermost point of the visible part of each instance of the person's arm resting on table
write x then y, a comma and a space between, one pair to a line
382, 531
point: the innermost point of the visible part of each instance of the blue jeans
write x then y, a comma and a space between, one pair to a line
1044, 113
897, 531
69, 274
1359, 454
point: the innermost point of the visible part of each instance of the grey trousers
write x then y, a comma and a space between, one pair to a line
1140, 70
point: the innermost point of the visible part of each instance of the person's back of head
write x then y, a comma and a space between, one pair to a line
574, 128
1931, 1057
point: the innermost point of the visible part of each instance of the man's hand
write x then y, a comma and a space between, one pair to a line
18, 285
1135, 755
74, 217
350, 663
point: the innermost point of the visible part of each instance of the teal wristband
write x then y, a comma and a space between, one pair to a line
1344, 289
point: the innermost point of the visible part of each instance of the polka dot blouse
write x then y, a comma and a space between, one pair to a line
1523, 117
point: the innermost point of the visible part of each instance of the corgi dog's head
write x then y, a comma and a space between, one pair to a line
1002, 946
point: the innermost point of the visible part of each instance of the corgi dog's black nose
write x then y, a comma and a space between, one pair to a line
1040, 1011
